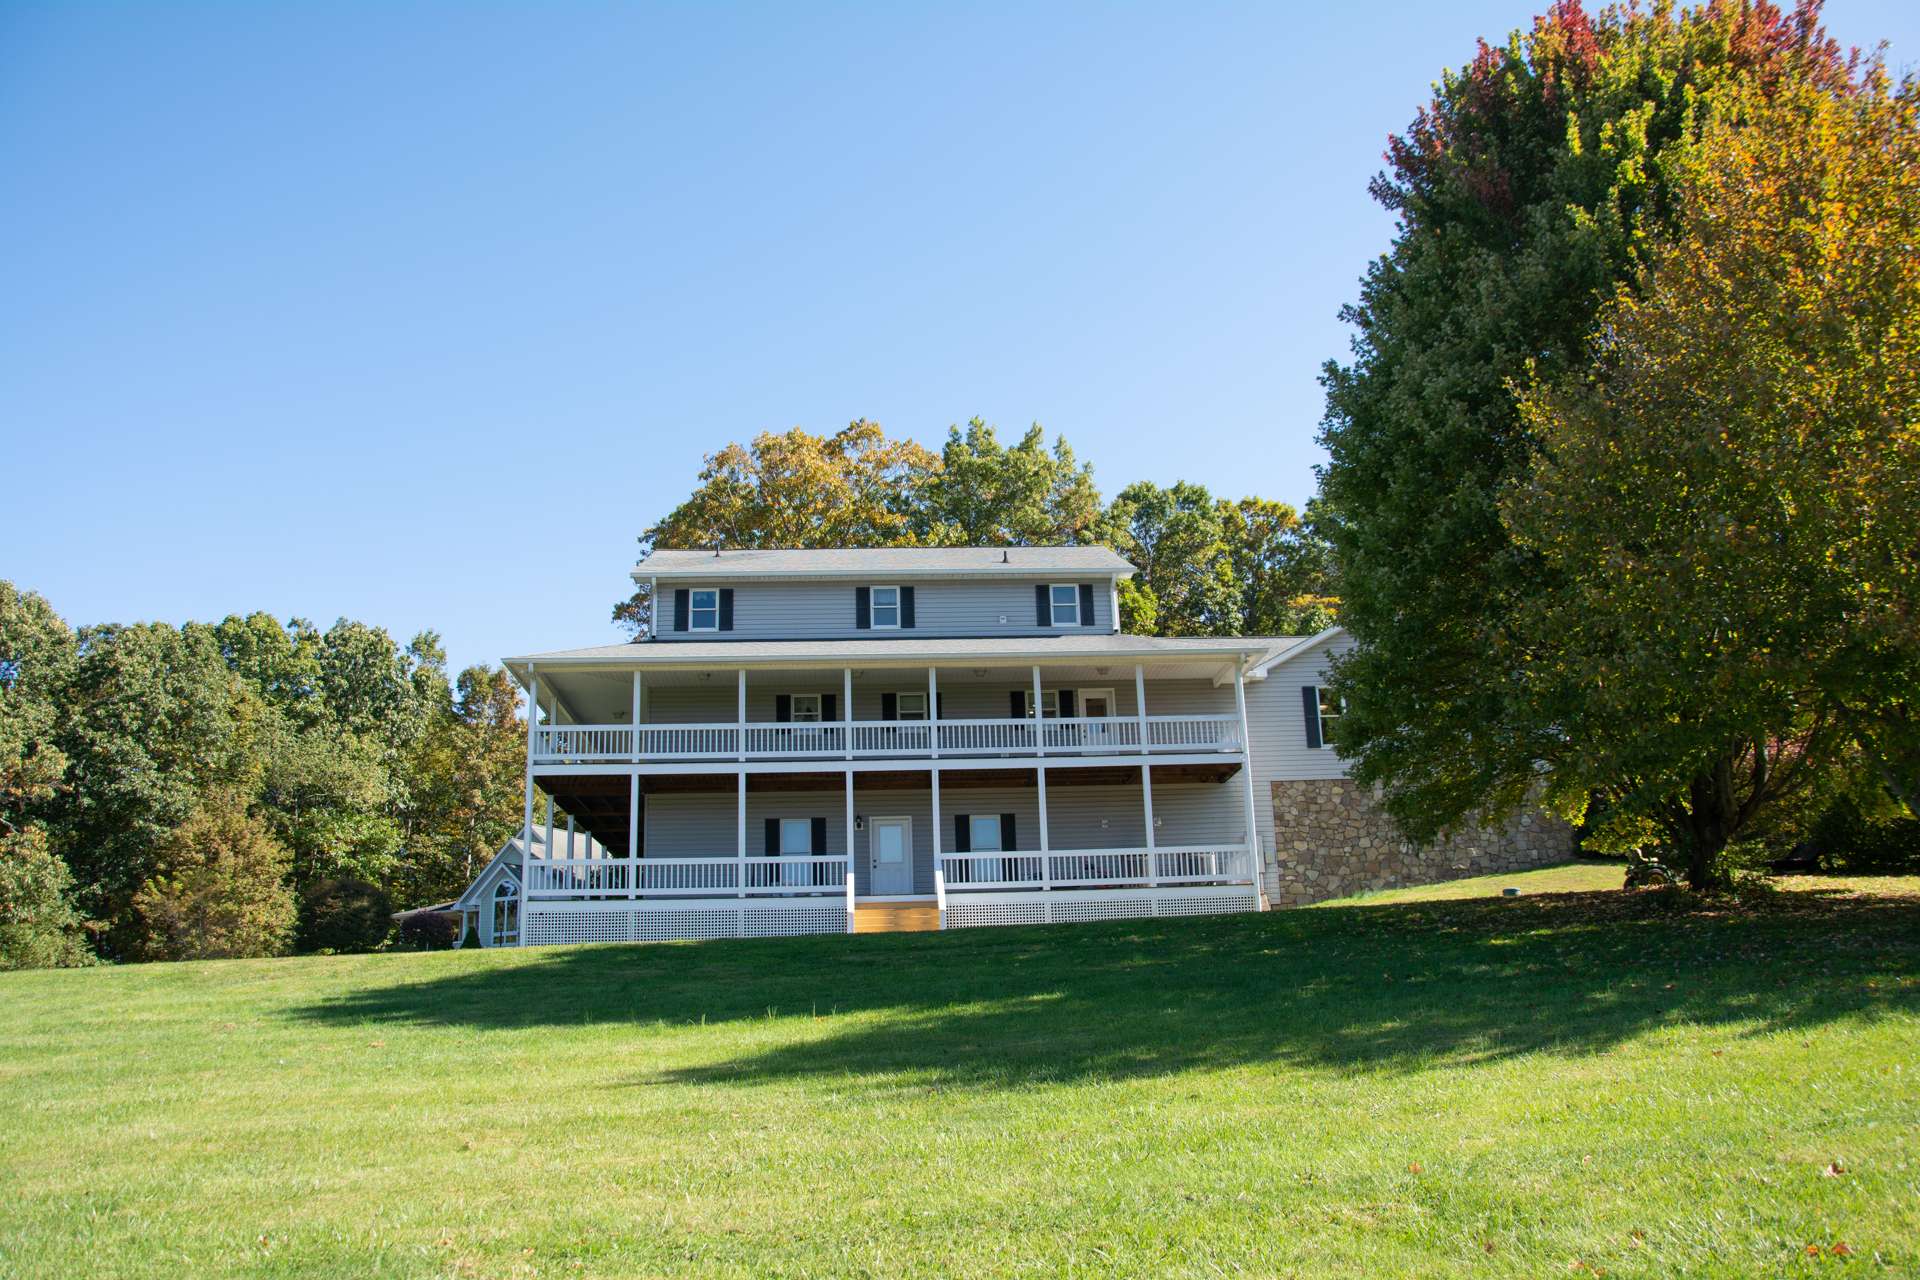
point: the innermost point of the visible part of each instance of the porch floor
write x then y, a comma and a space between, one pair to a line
896, 915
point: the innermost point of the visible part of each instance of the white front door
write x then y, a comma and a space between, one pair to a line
890, 857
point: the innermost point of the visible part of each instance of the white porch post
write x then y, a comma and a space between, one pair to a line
742, 714
549, 824
933, 711
1146, 803
1039, 733
850, 906
1140, 702
939, 866
1046, 848
526, 826
846, 709
633, 835
569, 835
634, 720
740, 841
1256, 856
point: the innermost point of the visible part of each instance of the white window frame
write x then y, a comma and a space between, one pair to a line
814, 713
1073, 602
694, 610
1320, 692
506, 902
973, 834
1049, 703
900, 705
874, 606
805, 827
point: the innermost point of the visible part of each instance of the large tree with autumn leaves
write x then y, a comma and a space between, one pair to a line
1726, 505
1535, 183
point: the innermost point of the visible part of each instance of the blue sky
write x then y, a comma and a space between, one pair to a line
419, 313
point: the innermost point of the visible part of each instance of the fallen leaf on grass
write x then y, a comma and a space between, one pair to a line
1839, 1249
1414, 1167
1833, 1170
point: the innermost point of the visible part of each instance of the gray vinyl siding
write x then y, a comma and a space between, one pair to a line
717, 702
704, 824
1276, 723
825, 611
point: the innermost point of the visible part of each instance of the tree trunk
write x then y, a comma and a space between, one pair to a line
1711, 811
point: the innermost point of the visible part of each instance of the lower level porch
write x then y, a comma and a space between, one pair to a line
748, 853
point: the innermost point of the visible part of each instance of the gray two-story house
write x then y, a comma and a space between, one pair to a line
828, 741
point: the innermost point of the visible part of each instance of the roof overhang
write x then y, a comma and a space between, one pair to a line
1305, 645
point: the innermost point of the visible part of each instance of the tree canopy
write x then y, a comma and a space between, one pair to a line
1526, 191
1726, 505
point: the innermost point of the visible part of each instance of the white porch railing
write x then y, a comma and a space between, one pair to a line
1082, 735
1097, 868
552, 878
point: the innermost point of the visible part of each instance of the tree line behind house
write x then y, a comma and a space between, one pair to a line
237, 788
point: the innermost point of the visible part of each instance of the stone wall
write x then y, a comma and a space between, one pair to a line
1333, 841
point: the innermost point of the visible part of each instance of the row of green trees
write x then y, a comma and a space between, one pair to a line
1625, 473
219, 790
1207, 565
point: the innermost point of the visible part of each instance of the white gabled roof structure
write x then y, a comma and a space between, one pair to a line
1294, 648
506, 863
826, 565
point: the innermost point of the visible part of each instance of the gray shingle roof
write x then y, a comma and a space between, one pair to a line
935, 562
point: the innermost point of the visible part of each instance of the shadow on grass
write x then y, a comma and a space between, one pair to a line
1374, 988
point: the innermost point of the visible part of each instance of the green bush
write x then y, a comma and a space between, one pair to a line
430, 931
1849, 840
342, 914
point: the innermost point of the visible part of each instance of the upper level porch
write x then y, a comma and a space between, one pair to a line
1102, 696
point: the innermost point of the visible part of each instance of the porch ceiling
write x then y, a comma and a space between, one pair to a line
605, 696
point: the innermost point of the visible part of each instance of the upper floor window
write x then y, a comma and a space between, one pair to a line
1065, 599
806, 708
703, 609
912, 706
886, 607
1323, 713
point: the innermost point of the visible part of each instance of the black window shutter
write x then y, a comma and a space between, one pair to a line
773, 837
819, 836
1067, 705
1310, 704
862, 615
906, 607
940, 707
962, 834
783, 707
829, 706
889, 706
1042, 607
680, 609
1086, 604
726, 608
1009, 838
1017, 700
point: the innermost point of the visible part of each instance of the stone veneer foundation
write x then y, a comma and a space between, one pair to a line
1332, 840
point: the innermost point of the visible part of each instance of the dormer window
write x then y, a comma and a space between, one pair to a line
1065, 599
886, 608
703, 609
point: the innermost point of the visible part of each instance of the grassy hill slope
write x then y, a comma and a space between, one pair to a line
1545, 1085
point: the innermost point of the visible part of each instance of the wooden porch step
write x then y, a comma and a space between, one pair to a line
919, 915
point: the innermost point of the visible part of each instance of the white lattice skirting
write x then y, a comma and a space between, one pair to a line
966, 911
625, 922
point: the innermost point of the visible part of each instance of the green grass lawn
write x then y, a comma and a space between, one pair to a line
1583, 877
1554, 1085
